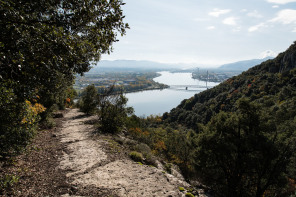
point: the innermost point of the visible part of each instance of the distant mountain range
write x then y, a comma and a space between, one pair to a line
134, 64
150, 65
243, 65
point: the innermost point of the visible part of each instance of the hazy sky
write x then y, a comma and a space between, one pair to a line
205, 32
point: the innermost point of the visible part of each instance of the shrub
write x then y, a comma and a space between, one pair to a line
89, 100
18, 122
53, 108
113, 112
150, 160
7, 181
48, 121
136, 156
146, 152
143, 148
168, 167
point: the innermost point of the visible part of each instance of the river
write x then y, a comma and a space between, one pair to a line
156, 102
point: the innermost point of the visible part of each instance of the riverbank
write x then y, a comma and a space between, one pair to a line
121, 81
147, 89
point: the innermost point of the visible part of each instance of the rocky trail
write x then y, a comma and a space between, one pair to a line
79, 162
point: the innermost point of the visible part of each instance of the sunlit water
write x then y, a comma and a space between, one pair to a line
156, 102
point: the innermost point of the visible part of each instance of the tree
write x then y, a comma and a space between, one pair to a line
45, 43
180, 146
43, 39
89, 100
113, 111
245, 153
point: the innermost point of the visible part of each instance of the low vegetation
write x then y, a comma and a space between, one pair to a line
110, 107
136, 156
181, 189
188, 194
7, 181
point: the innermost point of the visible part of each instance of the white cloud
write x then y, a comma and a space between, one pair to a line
281, 1
217, 12
244, 10
201, 19
211, 27
275, 6
268, 53
287, 16
256, 27
254, 14
229, 21
237, 29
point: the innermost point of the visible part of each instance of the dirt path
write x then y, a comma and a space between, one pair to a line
90, 167
71, 160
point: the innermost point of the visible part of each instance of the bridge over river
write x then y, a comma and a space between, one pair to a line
190, 87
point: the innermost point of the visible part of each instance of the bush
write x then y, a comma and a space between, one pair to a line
53, 108
7, 181
18, 122
136, 156
48, 121
113, 112
89, 100
150, 160
111, 108
168, 167
143, 148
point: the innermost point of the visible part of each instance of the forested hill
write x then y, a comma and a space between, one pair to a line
271, 84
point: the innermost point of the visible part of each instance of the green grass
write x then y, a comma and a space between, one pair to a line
189, 194
181, 189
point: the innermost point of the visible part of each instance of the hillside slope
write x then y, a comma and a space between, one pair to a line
272, 84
